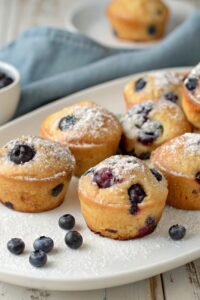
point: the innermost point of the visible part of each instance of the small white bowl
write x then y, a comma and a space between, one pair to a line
9, 95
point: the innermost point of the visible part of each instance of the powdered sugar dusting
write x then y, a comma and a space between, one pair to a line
138, 121
164, 79
94, 120
120, 164
164, 105
189, 142
48, 156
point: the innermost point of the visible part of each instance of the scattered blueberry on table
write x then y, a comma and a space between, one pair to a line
177, 232
16, 246
66, 221
5, 80
73, 239
38, 258
43, 243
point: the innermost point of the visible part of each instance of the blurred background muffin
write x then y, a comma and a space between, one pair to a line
138, 20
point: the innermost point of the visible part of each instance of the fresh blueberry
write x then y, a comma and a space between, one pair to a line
177, 232
136, 195
21, 154
38, 258
66, 222
57, 190
104, 178
140, 84
171, 97
16, 246
197, 177
156, 174
73, 239
43, 243
191, 83
67, 122
151, 30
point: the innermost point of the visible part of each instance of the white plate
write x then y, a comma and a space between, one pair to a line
91, 20
101, 262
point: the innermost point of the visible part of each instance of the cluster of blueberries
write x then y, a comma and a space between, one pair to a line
44, 245
5, 80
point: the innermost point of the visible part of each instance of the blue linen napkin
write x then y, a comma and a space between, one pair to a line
54, 63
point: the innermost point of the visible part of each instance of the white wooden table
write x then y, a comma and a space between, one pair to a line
182, 283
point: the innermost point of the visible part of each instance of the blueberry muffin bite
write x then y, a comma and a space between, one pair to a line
162, 84
179, 161
191, 97
149, 124
34, 174
122, 198
90, 131
138, 20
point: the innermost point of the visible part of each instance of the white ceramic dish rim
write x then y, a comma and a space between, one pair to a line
13, 72
117, 279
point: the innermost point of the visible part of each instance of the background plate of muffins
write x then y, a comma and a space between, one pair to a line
123, 159
129, 23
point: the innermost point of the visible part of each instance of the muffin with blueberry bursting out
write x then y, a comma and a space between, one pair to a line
122, 198
34, 174
148, 125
